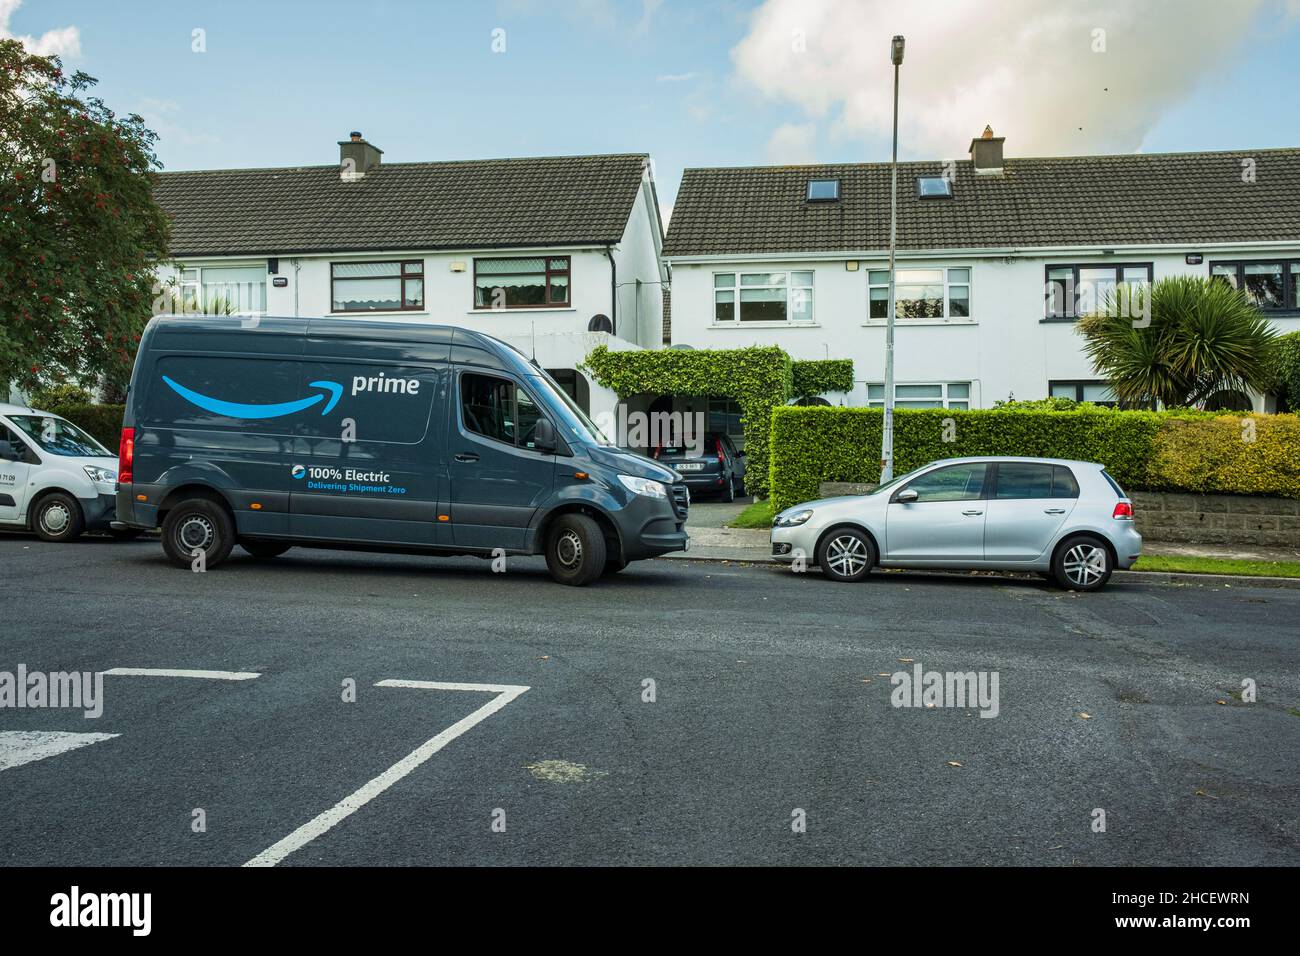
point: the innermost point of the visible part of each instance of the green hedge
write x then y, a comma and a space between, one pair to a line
758, 378
1286, 351
818, 376
104, 422
1158, 451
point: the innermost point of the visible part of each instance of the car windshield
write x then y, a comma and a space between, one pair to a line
895, 482
576, 418
58, 436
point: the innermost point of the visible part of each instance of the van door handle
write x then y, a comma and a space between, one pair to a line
1053, 511
467, 456
971, 514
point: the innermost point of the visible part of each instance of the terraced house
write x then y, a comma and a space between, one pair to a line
997, 257
553, 255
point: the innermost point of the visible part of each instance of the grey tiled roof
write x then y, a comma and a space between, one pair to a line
548, 201
1184, 198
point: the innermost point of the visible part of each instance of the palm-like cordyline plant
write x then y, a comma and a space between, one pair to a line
1203, 336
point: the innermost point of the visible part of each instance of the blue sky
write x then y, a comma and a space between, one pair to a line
692, 83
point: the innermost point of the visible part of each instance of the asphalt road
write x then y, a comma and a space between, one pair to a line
768, 701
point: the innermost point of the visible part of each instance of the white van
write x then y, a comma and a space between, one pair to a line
54, 478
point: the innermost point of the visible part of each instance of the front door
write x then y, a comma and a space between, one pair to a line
1029, 504
498, 479
945, 522
13, 477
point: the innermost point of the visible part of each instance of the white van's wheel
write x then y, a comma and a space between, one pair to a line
58, 517
575, 550
198, 525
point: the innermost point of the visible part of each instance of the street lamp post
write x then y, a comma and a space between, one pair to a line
887, 433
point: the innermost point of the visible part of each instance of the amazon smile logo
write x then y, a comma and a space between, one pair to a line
330, 392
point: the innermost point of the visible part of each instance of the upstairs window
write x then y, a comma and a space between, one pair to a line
762, 297
377, 286
921, 293
530, 283
823, 190
1270, 286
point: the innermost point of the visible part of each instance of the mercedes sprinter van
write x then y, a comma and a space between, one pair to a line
369, 435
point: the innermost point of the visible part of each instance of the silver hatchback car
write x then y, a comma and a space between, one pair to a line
1068, 520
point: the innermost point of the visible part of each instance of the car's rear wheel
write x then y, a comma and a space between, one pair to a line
58, 518
575, 550
1082, 563
198, 524
264, 549
846, 554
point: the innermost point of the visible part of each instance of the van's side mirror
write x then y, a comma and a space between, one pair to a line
906, 496
544, 435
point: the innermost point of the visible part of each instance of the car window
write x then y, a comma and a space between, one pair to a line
496, 408
1064, 484
58, 436
954, 483
1029, 480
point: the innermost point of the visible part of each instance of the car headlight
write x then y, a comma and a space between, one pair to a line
644, 486
792, 519
99, 474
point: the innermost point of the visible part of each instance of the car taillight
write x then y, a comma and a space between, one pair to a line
722, 455
657, 451
1124, 510
125, 456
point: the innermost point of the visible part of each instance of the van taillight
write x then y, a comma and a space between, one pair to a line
1123, 509
125, 456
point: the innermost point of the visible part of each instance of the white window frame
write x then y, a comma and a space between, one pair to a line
791, 291
192, 288
948, 284
948, 400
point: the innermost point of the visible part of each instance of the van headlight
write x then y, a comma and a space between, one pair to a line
792, 519
644, 486
95, 473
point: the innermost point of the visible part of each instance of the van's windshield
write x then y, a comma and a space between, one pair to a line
58, 436
576, 418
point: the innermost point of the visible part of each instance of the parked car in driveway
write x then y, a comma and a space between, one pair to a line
714, 467
55, 479
1068, 520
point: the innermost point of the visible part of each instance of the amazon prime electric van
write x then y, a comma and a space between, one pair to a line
347, 433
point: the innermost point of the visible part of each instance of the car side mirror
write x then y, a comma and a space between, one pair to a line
544, 438
906, 496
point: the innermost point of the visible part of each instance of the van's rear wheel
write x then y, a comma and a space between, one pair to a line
58, 518
198, 524
575, 550
264, 549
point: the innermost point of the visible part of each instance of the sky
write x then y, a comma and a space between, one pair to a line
231, 83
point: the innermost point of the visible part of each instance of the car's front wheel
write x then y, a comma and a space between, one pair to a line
58, 518
846, 554
1082, 563
575, 550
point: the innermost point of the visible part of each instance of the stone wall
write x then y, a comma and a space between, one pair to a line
1239, 520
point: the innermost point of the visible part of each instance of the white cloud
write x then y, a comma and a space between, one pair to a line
64, 42
1061, 78
792, 144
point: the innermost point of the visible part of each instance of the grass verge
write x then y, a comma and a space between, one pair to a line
757, 515
1191, 565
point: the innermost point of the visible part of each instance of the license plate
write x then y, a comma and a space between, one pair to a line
689, 466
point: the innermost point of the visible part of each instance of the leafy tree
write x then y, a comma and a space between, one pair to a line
1202, 337
80, 232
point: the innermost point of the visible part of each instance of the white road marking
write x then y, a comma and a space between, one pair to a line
354, 802
170, 672
18, 747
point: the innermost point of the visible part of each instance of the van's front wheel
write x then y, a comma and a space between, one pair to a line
198, 525
575, 550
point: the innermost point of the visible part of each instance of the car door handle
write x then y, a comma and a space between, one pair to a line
971, 514
467, 456
1053, 511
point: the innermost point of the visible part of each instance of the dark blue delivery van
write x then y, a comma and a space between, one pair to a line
347, 433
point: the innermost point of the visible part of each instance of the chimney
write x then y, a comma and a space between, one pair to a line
357, 157
986, 153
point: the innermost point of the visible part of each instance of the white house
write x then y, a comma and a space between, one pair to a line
996, 259
554, 255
